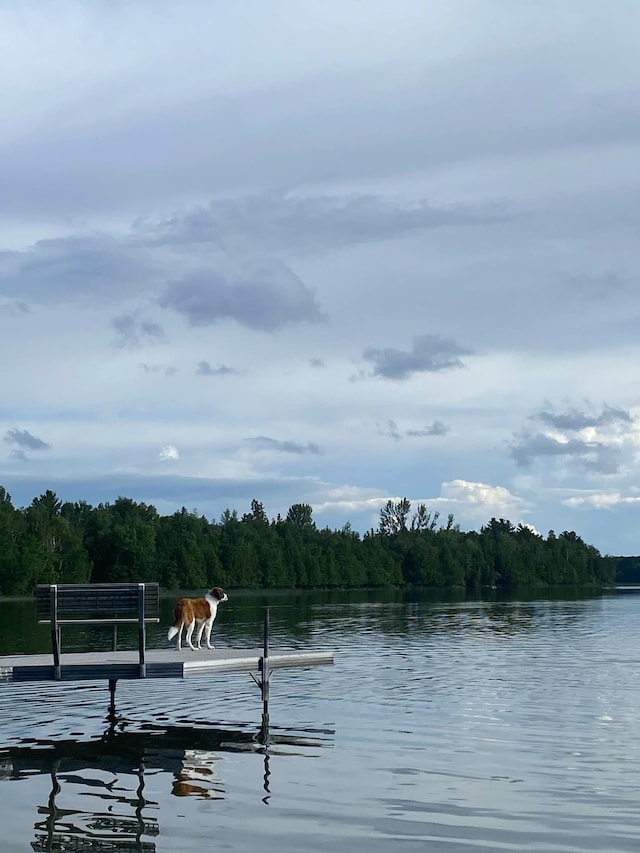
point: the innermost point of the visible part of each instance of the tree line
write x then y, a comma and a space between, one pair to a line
73, 542
628, 570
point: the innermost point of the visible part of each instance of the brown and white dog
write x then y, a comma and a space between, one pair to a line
202, 611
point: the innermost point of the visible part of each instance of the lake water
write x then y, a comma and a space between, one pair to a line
443, 726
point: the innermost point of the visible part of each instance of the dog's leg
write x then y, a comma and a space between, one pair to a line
180, 627
209, 630
190, 628
201, 628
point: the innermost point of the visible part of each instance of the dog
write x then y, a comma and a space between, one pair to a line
189, 611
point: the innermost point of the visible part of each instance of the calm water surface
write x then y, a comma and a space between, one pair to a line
443, 726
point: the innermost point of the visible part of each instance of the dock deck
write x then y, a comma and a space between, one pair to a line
160, 663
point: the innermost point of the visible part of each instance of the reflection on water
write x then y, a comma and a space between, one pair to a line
98, 800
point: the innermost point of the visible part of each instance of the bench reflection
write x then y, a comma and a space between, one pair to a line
109, 772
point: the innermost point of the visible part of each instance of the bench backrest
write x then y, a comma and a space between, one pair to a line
106, 604
96, 601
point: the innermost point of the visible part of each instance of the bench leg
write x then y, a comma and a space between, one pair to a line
141, 632
55, 632
55, 643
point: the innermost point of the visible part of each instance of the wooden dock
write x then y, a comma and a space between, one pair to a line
159, 663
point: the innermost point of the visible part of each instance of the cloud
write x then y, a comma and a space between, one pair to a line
429, 353
264, 298
132, 333
436, 428
596, 441
346, 500
317, 362
529, 446
476, 502
24, 439
76, 268
169, 452
595, 456
478, 493
575, 420
470, 502
167, 369
390, 430
263, 442
363, 117
205, 369
302, 223
601, 500
18, 456
14, 306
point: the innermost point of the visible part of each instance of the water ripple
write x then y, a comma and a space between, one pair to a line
450, 726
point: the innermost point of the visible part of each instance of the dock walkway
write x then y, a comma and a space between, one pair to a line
159, 663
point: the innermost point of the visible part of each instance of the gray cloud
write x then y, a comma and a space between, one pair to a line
167, 369
390, 430
205, 369
23, 438
574, 420
263, 442
268, 298
429, 353
593, 456
436, 428
274, 220
16, 306
74, 268
132, 332
317, 362
18, 456
343, 127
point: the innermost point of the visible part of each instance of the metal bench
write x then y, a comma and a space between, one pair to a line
97, 604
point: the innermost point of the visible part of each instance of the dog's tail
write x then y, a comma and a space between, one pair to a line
171, 633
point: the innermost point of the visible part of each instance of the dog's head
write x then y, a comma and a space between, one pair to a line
219, 594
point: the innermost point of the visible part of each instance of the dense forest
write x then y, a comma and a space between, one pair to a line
628, 570
54, 542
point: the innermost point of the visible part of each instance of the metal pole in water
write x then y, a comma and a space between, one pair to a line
111, 716
263, 683
265, 679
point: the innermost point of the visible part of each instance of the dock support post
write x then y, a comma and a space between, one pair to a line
266, 674
264, 689
111, 716
263, 683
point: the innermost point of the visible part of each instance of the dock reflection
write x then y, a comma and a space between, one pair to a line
109, 774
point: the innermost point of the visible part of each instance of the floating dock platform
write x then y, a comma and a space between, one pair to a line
159, 663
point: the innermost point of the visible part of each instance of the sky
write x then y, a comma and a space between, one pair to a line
331, 253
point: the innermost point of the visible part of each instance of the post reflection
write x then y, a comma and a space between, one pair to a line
97, 798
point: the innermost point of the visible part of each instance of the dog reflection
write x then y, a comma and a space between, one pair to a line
197, 777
